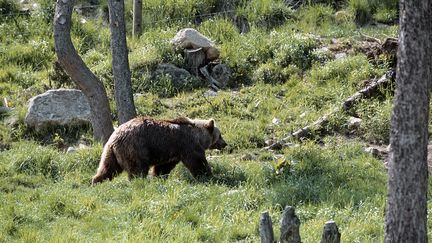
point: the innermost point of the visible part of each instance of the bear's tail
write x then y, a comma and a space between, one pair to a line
108, 166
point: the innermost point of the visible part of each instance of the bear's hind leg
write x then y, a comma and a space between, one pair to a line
107, 171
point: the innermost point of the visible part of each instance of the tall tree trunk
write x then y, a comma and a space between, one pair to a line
120, 63
137, 18
80, 73
406, 212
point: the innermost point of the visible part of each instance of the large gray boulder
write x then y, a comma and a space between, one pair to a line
58, 107
179, 76
190, 38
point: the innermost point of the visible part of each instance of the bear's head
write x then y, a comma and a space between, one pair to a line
217, 142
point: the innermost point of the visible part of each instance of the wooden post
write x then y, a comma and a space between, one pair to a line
330, 233
266, 228
290, 226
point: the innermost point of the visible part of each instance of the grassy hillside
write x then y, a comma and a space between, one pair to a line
284, 68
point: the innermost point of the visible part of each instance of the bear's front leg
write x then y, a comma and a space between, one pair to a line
197, 164
163, 169
139, 170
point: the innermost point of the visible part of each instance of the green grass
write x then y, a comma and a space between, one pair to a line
47, 196
279, 72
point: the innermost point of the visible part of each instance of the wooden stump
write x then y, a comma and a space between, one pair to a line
195, 58
330, 233
290, 226
266, 228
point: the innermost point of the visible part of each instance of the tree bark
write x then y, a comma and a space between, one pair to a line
120, 63
80, 73
137, 18
406, 211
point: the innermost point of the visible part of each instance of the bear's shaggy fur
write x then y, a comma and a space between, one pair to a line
144, 143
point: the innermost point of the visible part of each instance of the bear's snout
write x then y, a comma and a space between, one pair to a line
220, 144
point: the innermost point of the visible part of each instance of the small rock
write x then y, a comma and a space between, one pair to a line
71, 150
36, 6
11, 120
248, 156
354, 123
340, 55
276, 121
342, 16
210, 93
372, 151
83, 146
270, 141
231, 192
377, 151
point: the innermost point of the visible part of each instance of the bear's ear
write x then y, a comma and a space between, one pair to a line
210, 125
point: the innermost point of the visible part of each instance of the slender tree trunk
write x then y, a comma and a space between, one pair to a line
406, 212
120, 63
137, 18
80, 73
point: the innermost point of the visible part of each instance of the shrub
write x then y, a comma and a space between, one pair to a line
385, 15
8, 7
220, 30
271, 73
375, 125
266, 14
349, 70
293, 49
162, 13
89, 35
313, 17
36, 54
19, 77
164, 86
46, 10
41, 160
362, 11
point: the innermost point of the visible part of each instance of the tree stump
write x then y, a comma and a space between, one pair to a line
330, 233
266, 228
195, 58
290, 226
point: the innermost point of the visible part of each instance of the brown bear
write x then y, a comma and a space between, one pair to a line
144, 143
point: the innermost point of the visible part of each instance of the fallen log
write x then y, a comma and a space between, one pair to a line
370, 91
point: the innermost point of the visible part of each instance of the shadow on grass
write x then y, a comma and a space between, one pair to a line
221, 175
